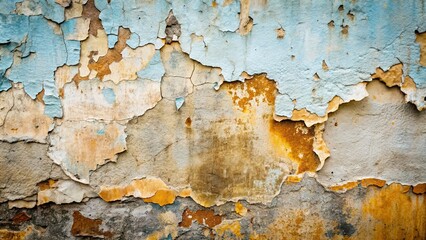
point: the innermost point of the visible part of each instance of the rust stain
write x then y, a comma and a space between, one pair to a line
343, 187
419, 188
393, 212
297, 140
48, 184
256, 89
421, 39
113, 55
372, 182
40, 96
87, 227
204, 217
101, 67
20, 218
188, 122
90, 11
292, 139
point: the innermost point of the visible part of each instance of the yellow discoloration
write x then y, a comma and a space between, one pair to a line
344, 187
393, 212
240, 209
15, 235
372, 182
162, 197
291, 139
48, 184
229, 226
293, 179
152, 190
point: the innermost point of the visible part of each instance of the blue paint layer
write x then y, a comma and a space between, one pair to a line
109, 95
179, 102
154, 70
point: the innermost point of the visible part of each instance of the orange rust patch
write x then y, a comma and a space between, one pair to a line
20, 218
257, 87
204, 217
344, 187
421, 39
292, 139
372, 182
40, 96
297, 140
188, 122
419, 188
394, 213
87, 227
48, 184
113, 55
162, 197
90, 11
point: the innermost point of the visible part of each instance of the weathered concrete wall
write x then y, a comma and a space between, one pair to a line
251, 119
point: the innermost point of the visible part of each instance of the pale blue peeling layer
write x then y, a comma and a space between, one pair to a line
73, 52
6, 60
13, 28
7, 6
49, 9
109, 95
154, 70
45, 52
142, 17
382, 34
112, 40
283, 105
53, 107
133, 41
4, 84
179, 102
69, 27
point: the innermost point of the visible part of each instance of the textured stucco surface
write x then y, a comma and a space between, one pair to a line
225, 119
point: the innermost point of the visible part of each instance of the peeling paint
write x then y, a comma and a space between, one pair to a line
212, 119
